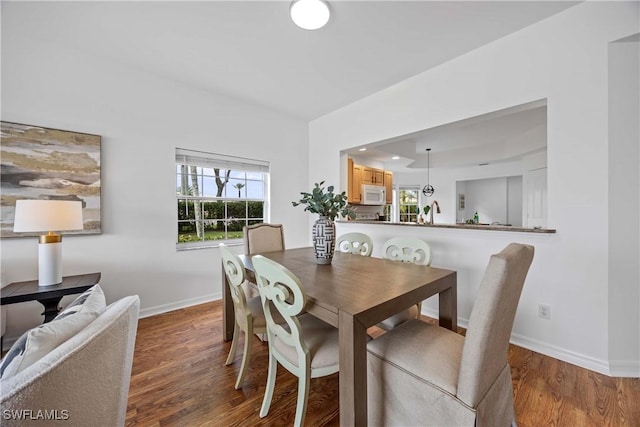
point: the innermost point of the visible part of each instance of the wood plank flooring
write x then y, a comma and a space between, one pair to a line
179, 379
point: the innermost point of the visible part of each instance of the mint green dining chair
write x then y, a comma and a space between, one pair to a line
248, 311
305, 345
405, 249
355, 243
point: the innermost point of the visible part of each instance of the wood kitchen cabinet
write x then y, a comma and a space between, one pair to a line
358, 175
354, 176
388, 185
372, 176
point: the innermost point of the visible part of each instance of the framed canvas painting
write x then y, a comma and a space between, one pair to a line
50, 164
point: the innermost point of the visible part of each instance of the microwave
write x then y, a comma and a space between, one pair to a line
373, 195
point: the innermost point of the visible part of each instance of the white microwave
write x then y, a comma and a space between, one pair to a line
373, 195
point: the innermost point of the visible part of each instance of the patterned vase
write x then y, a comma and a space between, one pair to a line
324, 239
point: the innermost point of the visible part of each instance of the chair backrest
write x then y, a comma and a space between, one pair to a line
87, 376
355, 243
407, 249
236, 276
283, 289
486, 345
263, 238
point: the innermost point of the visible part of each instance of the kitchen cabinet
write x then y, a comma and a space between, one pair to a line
372, 176
388, 185
354, 176
359, 174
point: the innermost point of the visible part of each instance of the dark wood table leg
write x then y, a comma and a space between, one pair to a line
51, 308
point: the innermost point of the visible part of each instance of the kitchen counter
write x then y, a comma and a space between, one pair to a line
458, 226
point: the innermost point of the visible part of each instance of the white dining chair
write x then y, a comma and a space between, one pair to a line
305, 345
248, 311
405, 249
355, 243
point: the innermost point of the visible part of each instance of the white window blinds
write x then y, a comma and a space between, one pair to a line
220, 161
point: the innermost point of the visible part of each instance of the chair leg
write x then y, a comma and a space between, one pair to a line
234, 344
248, 337
271, 382
303, 395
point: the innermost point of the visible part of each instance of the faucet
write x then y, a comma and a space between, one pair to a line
435, 202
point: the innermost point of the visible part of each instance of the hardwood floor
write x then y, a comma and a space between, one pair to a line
179, 379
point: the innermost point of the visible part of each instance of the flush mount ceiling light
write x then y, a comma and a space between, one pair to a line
428, 189
309, 14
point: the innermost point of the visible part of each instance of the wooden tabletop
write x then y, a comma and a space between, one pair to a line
371, 289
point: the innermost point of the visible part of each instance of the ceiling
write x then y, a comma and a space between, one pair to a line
252, 50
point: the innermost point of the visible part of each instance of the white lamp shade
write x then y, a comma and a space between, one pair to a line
47, 215
310, 14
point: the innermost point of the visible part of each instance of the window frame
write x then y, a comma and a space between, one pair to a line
402, 188
250, 170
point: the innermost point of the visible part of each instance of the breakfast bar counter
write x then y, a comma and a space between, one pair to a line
489, 227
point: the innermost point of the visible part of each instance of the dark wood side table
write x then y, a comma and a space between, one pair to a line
48, 296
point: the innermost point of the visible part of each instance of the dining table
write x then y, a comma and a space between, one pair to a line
354, 293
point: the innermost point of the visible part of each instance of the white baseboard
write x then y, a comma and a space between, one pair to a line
578, 359
614, 368
177, 305
624, 368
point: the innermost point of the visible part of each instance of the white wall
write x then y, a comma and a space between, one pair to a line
444, 181
565, 60
514, 200
141, 119
624, 202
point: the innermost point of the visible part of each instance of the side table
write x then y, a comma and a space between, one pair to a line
48, 296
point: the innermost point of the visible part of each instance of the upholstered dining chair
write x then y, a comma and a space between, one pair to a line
263, 237
405, 249
422, 374
305, 345
248, 311
355, 243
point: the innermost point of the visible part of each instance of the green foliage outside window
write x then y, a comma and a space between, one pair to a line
217, 224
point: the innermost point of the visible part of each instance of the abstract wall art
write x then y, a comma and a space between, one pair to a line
42, 163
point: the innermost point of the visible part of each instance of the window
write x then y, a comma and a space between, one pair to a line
408, 204
216, 196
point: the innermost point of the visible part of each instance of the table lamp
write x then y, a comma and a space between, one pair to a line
48, 216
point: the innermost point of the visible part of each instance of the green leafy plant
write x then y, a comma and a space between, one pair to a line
426, 209
325, 203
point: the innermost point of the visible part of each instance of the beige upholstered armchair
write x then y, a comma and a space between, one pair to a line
421, 374
82, 382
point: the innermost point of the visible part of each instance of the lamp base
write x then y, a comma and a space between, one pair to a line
49, 263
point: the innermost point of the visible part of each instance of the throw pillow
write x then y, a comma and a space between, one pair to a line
39, 341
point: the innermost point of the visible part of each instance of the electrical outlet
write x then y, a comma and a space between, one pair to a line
544, 311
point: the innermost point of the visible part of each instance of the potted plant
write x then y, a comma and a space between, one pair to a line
328, 205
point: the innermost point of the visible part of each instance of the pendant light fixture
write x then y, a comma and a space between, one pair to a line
309, 14
428, 189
